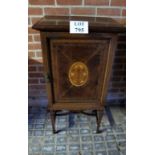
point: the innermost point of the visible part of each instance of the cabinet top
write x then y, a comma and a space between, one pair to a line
96, 24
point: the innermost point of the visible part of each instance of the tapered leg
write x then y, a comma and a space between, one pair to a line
53, 117
99, 115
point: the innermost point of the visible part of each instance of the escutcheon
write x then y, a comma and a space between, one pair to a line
78, 74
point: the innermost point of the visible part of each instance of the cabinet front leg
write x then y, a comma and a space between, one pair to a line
53, 117
99, 118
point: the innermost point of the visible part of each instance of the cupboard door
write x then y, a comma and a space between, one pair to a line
78, 69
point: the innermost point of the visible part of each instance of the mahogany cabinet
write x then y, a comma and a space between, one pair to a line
77, 66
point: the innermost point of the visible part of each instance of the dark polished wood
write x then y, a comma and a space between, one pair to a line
77, 67
61, 24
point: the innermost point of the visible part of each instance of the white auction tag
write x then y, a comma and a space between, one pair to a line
79, 27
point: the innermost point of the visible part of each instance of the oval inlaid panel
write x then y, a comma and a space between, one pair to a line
78, 74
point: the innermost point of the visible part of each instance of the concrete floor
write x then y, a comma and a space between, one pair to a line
78, 135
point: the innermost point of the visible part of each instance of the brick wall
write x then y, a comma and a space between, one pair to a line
102, 8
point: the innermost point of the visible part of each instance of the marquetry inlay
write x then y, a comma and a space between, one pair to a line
78, 74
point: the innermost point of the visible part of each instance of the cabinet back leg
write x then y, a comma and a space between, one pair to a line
53, 117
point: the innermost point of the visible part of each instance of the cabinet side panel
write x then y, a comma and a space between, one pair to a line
108, 69
47, 69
